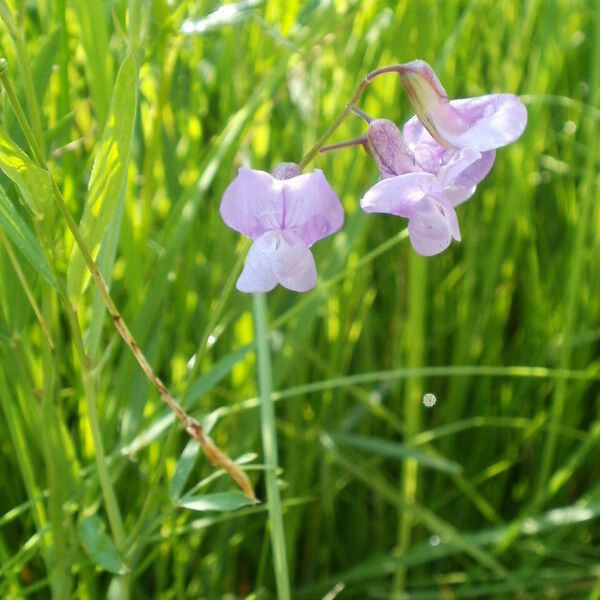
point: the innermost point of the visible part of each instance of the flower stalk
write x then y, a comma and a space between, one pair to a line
269, 440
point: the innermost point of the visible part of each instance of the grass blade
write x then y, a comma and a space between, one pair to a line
108, 174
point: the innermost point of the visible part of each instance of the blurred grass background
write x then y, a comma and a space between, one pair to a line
491, 491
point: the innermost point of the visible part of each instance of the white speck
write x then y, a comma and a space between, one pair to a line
375, 397
429, 400
190, 363
277, 340
210, 342
435, 540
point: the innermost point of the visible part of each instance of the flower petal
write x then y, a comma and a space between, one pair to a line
278, 257
400, 195
483, 123
428, 153
312, 209
253, 203
458, 195
457, 162
431, 156
432, 228
257, 275
477, 171
294, 265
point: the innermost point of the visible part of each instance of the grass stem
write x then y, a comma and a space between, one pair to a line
216, 456
269, 438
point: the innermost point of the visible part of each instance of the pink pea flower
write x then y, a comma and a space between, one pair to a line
284, 214
426, 199
431, 157
483, 123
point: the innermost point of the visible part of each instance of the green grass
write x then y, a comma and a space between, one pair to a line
493, 492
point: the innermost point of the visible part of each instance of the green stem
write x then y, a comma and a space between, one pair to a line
269, 439
214, 454
108, 493
17, 35
60, 573
350, 107
23, 281
414, 352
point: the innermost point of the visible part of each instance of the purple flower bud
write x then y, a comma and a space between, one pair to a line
388, 148
284, 216
483, 123
286, 170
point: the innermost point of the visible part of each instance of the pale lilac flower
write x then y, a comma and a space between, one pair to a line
426, 199
431, 157
483, 123
284, 215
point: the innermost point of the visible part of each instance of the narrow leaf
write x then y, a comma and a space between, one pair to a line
185, 464
23, 238
201, 386
225, 501
33, 182
43, 63
41, 71
109, 173
99, 546
219, 370
383, 447
91, 17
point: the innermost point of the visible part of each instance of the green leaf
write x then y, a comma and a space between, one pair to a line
33, 182
185, 464
201, 386
23, 238
41, 67
225, 501
41, 71
99, 546
109, 174
205, 382
383, 447
91, 17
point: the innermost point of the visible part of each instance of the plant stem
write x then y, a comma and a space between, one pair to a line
414, 352
350, 107
216, 456
269, 439
23, 281
18, 37
359, 141
108, 493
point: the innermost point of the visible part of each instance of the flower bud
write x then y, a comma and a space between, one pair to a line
286, 170
388, 148
427, 96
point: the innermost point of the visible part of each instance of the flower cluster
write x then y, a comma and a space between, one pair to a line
426, 170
